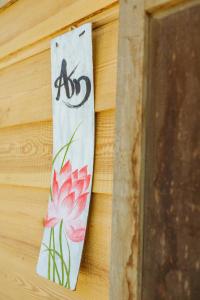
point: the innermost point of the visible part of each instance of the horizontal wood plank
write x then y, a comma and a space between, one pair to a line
29, 19
155, 5
25, 153
26, 86
5, 3
72, 13
26, 143
21, 225
102, 18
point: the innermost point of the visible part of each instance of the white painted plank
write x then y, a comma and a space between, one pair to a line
73, 154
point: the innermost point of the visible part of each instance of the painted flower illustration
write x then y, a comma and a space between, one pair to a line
69, 196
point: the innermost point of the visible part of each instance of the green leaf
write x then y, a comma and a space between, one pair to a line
67, 148
61, 258
54, 261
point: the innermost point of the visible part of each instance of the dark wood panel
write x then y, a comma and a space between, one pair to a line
171, 263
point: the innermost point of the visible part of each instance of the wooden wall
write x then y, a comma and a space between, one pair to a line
26, 27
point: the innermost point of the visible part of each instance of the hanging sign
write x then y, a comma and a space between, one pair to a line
73, 153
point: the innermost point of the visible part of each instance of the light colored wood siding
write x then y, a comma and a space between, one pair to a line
26, 143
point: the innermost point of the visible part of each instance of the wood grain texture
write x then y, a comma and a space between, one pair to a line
22, 211
127, 160
172, 225
102, 18
29, 19
67, 16
26, 143
157, 5
153, 6
31, 88
25, 154
5, 3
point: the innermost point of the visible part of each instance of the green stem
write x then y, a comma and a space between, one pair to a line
53, 253
63, 147
51, 193
68, 145
52, 239
61, 258
54, 261
61, 251
49, 258
67, 284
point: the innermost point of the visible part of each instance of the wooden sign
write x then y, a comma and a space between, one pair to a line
73, 152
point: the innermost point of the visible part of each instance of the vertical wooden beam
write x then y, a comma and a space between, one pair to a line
126, 225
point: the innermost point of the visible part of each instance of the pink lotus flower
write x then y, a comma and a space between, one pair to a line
69, 196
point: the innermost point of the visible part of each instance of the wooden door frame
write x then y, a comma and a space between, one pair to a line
128, 186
